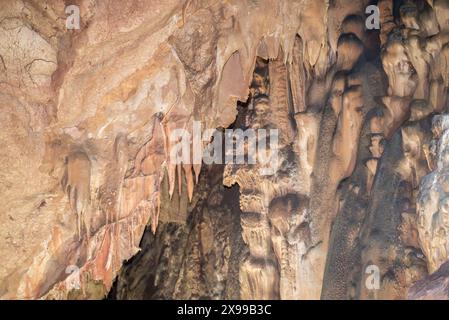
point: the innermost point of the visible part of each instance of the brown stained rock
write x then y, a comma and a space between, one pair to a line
438, 98
233, 86
256, 234
349, 50
336, 94
419, 110
376, 125
297, 77
95, 109
354, 24
259, 279
346, 17
409, 16
306, 145
376, 148
420, 61
279, 102
408, 229
314, 16
414, 167
441, 10
290, 236
433, 202
371, 165
347, 135
396, 113
399, 70
198, 258
386, 19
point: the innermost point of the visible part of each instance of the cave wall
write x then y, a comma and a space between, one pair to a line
195, 258
88, 114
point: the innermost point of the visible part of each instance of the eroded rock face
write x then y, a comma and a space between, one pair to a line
355, 179
432, 217
432, 287
114, 90
433, 199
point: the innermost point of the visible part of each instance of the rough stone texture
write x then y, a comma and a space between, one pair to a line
110, 94
85, 168
195, 259
432, 287
433, 200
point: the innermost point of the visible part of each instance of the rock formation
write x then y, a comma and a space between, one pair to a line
116, 181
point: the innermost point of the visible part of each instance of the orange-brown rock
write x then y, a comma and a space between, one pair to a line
92, 172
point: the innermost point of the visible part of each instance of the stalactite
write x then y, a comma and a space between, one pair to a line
76, 183
297, 76
356, 181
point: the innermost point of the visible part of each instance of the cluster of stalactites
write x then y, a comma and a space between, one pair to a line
414, 57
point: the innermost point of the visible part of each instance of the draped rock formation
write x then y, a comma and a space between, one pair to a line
103, 197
